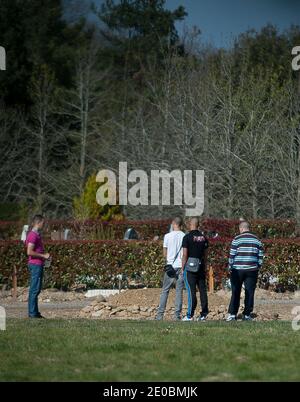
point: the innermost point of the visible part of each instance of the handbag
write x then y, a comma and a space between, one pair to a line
168, 268
192, 265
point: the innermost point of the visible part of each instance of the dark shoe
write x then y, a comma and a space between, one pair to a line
37, 316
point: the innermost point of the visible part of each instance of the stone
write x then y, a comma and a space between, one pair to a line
87, 309
121, 313
80, 287
131, 234
134, 309
144, 314
221, 293
297, 294
101, 298
104, 304
221, 309
96, 314
116, 310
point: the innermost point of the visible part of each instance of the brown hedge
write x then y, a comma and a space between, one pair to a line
102, 261
148, 229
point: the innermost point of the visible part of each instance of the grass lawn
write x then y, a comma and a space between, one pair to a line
84, 350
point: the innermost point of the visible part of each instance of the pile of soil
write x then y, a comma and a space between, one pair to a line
142, 304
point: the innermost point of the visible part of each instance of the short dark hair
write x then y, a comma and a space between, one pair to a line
37, 219
178, 220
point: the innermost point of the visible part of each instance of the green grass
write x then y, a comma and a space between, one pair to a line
84, 350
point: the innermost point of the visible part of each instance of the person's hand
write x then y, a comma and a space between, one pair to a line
46, 256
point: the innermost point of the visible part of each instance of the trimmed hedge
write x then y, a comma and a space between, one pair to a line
147, 230
91, 229
101, 261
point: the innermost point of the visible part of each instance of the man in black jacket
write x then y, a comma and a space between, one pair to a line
194, 258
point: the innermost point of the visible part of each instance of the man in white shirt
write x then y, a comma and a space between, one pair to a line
172, 249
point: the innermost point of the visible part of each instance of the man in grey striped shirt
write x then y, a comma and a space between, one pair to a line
245, 260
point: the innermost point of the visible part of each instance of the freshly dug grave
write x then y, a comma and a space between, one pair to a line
142, 304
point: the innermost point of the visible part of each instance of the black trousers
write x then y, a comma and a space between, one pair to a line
237, 278
194, 280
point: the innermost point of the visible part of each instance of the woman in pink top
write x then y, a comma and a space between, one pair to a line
36, 259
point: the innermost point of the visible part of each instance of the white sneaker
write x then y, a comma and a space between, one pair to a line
247, 318
187, 319
231, 317
202, 318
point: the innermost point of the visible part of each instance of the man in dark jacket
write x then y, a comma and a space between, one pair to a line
194, 246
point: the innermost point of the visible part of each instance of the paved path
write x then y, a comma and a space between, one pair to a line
64, 309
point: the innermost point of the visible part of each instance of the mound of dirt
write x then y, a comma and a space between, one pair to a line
142, 304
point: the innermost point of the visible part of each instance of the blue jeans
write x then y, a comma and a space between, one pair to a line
194, 280
36, 281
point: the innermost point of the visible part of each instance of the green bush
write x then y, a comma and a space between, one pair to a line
86, 206
102, 261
